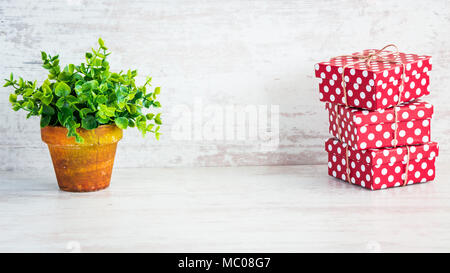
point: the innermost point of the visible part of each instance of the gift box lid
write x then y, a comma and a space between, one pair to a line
415, 110
384, 155
420, 63
373, 79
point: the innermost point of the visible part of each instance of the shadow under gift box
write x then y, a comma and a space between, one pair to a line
376, 169
374, 87
363, 129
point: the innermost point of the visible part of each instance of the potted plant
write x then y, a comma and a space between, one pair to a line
83, 110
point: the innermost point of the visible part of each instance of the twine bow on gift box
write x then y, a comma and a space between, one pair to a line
380, 55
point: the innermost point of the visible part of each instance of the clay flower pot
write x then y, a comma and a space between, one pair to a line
82, 167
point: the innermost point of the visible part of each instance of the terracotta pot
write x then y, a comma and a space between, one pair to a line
82, 167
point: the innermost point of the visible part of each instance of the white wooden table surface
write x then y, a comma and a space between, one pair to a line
242, 209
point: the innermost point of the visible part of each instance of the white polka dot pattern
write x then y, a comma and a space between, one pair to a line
374, 87
363, 129
382, 168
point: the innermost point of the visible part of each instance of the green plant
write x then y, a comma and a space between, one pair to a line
87, 96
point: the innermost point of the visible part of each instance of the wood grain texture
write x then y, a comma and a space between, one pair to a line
226, 209
224, 53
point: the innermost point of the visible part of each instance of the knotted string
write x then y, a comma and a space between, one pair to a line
379, 56
347, 164
395, 141
407, 168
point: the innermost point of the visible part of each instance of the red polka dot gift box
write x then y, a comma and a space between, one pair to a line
407, 124
374, 79
376, 169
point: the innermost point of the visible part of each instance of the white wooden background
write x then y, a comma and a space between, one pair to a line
222, 52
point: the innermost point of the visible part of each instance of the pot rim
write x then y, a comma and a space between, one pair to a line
104, 134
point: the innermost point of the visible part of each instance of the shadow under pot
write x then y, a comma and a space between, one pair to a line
82, 167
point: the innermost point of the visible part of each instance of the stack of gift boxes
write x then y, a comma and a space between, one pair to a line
380, 126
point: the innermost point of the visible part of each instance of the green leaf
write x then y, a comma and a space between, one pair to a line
46, 88
72, 127
78, 87
29, 104
149, 116
139, 95
65, 116
16, 107
91, 85
89, 122
60, 103
28, 92
62, 89
38, 95
71, 99
12, 98
8, 83
47, 99
114, 76
101, 119
77, 77
131, 96
147, 103
64, 76
158, 119
48, 110
107, 111
78, 138
84, 112
141, 125
45, 120
121, 106
82, 98
102, 99
132, 109
141, 118
103, 87
157, 91
71, 68
97, 62
121, 122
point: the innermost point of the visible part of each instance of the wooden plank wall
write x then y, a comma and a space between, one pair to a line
219, 54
